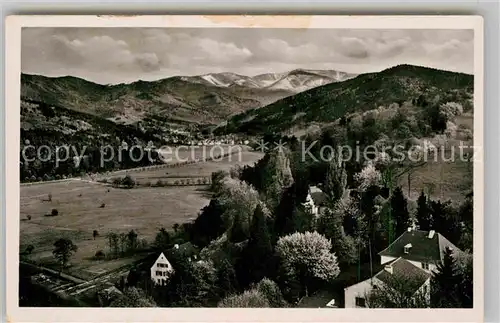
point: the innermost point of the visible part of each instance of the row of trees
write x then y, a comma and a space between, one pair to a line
124, 243
119, 245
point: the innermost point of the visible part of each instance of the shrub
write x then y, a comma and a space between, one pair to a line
249, 299
54, 212
99, 254
102, 205
29, 249
128, 181
159, 183
29, 217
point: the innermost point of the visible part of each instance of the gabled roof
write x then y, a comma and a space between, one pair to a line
317, 195
403, 269
423, 248
319, 198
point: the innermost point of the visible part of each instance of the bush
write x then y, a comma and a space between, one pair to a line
117, 181
249, 299
29, 217
102, 205
29, 249
54, 212
271, 291
159, 183
99, 254
128, 181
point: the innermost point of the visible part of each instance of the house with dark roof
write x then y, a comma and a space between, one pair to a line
424, 249
355, 295
414, 255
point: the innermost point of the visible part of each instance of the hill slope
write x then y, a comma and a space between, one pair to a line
171, 98
365, 92
205, 99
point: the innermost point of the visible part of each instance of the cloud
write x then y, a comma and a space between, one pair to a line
115, 55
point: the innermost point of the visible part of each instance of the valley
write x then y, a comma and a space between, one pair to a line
119, 213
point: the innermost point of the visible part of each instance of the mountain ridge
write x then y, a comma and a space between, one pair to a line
364, 92
205, 99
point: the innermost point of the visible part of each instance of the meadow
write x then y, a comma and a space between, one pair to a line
142, 209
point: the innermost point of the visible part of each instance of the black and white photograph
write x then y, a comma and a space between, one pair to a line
324, 168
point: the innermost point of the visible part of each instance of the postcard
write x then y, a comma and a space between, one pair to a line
244, 168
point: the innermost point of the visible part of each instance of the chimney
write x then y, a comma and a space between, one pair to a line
407, 248
431, 234
176, 246
388, 268
409, 229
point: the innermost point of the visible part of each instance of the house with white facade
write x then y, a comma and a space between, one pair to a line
161, 271
314, 200
400, 268
415, 255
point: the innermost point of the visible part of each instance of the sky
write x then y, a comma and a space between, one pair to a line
124, 55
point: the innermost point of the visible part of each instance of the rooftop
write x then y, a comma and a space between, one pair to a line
425, 246
402, 268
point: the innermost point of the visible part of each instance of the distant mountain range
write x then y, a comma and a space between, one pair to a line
204, 99
294, 81
182, 106
323, 104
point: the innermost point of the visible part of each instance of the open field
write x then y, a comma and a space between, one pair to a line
195, 170
143, 209
441, 180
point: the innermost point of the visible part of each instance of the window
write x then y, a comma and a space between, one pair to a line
425, 265
158, 273
160, 265
360, 302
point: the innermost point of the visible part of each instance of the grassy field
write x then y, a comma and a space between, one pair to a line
441, 180
143, 209
197, 170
